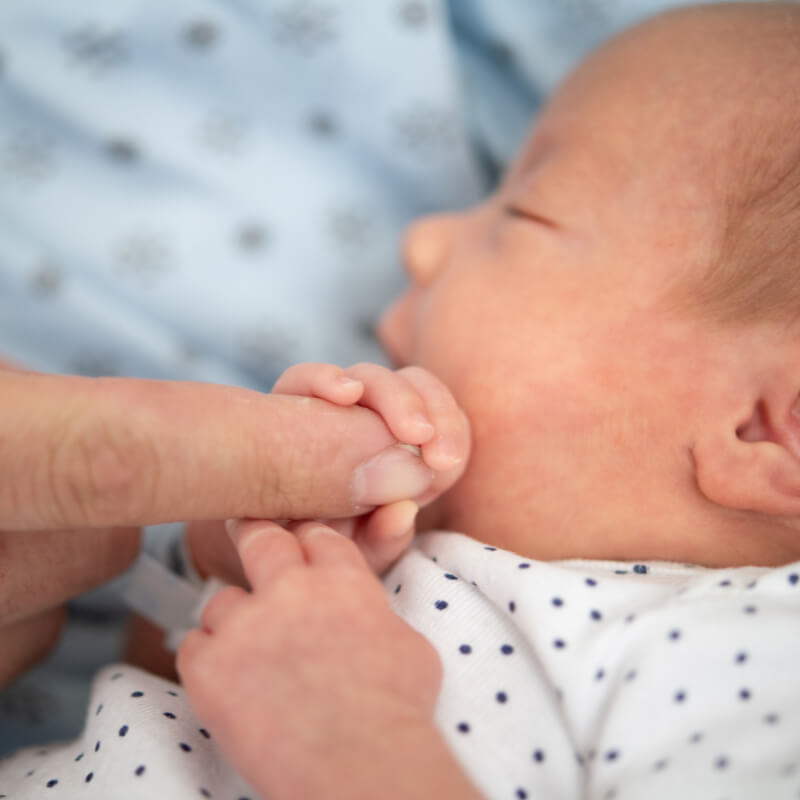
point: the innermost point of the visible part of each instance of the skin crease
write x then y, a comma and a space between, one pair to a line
550, 313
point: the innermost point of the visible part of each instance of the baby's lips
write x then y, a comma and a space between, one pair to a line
396, 473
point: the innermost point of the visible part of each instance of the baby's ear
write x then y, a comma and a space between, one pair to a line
750, 460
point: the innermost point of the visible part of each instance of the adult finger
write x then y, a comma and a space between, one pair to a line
100, 451
42, 569
28, 641
265, 548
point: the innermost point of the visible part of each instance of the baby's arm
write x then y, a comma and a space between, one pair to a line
311, 685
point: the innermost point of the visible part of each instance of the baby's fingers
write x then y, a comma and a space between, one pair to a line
266, 549
385, 534
326, 381
397, 401
449, 449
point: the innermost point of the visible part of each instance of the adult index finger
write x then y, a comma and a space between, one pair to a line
108, 451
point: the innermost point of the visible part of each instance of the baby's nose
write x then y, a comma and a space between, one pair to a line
426, 245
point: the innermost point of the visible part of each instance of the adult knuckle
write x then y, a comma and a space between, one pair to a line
100, 473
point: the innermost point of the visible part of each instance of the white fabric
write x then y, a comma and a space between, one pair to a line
577, 679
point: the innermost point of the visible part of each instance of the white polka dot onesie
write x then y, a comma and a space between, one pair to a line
575, 679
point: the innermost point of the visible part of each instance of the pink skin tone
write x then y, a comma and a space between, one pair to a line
607, 421
333, 689
417, 409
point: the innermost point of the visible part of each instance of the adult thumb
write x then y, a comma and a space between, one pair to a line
116, 451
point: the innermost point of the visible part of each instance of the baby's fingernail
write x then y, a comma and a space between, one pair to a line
443, 453
232, 526
406, 516
394, 474
343, 380
421, 423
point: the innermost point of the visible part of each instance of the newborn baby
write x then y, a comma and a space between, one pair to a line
618, 616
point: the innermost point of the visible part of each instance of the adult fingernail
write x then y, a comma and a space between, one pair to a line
231, 526
394, 474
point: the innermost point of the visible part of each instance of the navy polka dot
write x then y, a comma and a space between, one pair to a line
97, 746
591, 582
450, 576
441, 605
398, 588
462, 727
611, 755
640, 569
187, 748
559, 644
140, 770
123, 730
512, 606
740, 657
538, 756
745, 694
169, 715
501, 697
680, 696
465, 649
204, 733
51, 783
557, 602
137, 694
674, 635
521, 794
89, 776
524, 565
506, 649
595, 615
721, 762
793, 578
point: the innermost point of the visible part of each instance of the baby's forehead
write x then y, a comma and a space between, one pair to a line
709, 94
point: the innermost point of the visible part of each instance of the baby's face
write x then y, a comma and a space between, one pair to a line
544, 311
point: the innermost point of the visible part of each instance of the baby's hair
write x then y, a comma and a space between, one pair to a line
755, 274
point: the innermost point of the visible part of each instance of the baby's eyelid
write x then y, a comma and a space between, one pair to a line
513, 210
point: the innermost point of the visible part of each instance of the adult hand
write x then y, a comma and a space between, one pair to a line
84, 462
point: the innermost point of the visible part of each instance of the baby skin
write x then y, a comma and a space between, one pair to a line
620, 324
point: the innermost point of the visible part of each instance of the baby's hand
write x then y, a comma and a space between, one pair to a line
420, 411
310, 671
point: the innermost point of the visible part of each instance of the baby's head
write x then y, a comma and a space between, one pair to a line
621, 320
